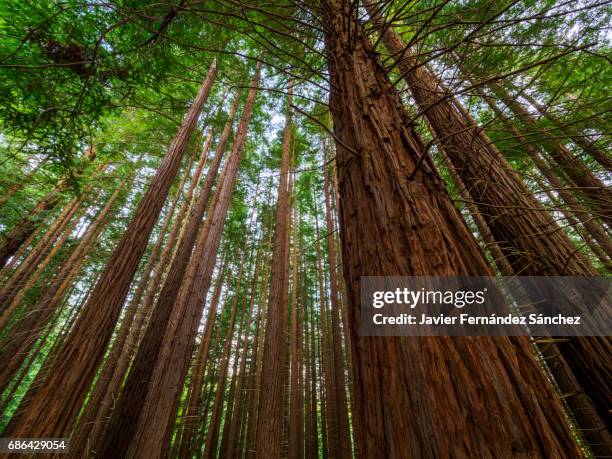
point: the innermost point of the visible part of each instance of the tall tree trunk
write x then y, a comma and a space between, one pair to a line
54, 408
392, 197
233, 434
314, 448
32, 261
296, 406
87, 434
597, 195
212, 436
327, 360
188, 446
22, 230
531, 241
251, 440
27, 331
148, 428
20, 183
591, 427
341, 409
579, 138
270, 418
138, 383
591, 225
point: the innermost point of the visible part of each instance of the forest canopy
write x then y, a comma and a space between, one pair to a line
192, 190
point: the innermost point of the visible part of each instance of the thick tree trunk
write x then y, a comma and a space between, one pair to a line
270, 419
412, 228
531, 241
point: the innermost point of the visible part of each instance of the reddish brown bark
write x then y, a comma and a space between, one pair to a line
412, 228
27, 331
271, 416
531, 241
232, 443
296, 406
137, 385
328, 398
87, 434
313, 441
188, 446
341, 408
56, 405
32, 261
591, 427
598, 196
591, 225
257, 363
212, 436
22, 230
147, 432
18, 185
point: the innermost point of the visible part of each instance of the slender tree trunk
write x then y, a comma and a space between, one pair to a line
573, 134
212, 436
91, 425
251, 440
591, 225
20, 289
270, 419
296, 406
22, 230
20, 183
313, 388
342, 423
597, 196
27, 331
324, 418
137, 386
392, 197
146, 431
188, 446
33, 260
591, 426
53, 410
327, 357
233, 434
